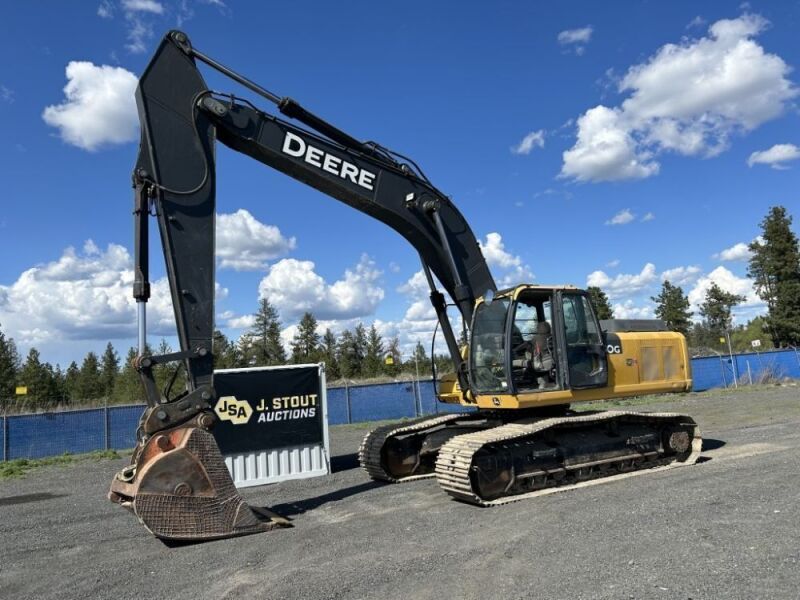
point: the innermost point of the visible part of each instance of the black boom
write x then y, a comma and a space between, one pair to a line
175, 171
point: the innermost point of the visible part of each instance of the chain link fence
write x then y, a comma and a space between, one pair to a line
55, 427
58, 427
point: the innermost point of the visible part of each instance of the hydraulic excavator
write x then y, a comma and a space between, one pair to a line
531, 351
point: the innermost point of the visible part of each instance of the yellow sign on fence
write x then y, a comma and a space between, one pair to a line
22, 390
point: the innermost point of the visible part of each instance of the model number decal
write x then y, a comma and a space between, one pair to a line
613, 344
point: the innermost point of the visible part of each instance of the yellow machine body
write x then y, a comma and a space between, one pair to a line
639, 363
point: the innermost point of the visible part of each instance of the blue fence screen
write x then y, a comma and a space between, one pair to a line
114, 427
753, 367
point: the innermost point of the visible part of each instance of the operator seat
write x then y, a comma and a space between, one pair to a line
543, 362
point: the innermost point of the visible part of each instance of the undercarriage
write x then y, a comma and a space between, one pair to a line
492, 457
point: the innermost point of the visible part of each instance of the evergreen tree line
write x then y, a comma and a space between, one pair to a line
774, 266
358, 353
97, 379
361, 353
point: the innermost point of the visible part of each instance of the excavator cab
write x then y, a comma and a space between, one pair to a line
535, 339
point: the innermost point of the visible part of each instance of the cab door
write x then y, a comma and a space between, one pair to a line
582, 342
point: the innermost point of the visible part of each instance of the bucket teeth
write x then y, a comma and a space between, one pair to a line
180, 489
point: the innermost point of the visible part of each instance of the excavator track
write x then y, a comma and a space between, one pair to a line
528, 460
370, 453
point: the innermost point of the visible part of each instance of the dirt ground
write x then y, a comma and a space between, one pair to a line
726, 528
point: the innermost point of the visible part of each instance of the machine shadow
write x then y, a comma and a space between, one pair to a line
291, 509
712, 444
344, 462
709, 444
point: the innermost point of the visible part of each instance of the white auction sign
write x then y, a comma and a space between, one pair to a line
273, 423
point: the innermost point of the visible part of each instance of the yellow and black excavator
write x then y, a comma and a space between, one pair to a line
531, 351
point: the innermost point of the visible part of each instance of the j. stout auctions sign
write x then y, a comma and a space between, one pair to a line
268, 409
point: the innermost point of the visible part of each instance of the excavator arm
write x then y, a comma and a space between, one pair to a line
175, 172
181, 119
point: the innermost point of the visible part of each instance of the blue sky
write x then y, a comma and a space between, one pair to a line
676, 121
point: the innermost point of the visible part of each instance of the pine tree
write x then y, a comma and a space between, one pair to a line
602, 306
373, 358
265, 346
360, 338
59, 384
225, 352
716, 310
775, 267
743, 335
128, 387
672, 307
71, 381
393, 350
420, 361
305, 345
169, 375
38, 378
347, 355
328, 355
109, 370
9, 366
90, 382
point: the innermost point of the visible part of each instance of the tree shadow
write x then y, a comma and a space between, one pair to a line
27, 498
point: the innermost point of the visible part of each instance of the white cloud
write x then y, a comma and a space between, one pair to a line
98, 108
648, 217
682, 275
698, 21
294, 287
688, 98
245, 244
417, 286
82, 296
775, 156
737, 252
624, 283
419, 320
149, 6
138, 17
6, 94
612, 264
605, 150
241, 322
623, 217
535, 139
629, 310
731, 283
512, 269
575, 36
105, 10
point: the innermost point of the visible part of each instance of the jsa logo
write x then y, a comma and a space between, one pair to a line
238, 412
296, 146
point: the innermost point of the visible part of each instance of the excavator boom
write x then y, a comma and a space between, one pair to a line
175, 177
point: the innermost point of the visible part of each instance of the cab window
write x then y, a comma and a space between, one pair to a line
586, 357
487, 350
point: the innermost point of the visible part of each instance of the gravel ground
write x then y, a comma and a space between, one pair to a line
726, 528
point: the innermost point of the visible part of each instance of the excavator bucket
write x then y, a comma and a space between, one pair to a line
180, 489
